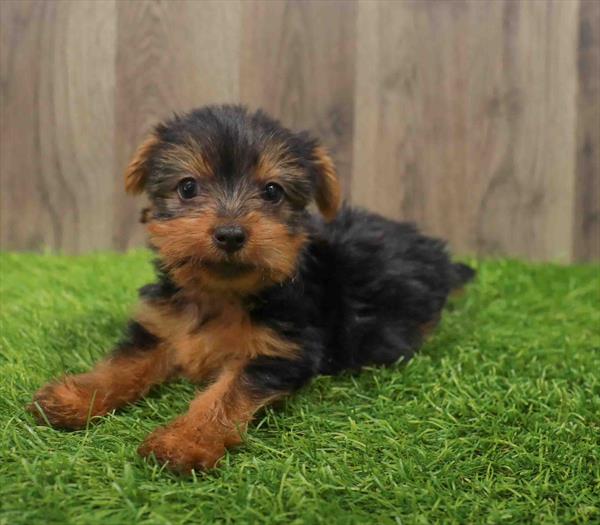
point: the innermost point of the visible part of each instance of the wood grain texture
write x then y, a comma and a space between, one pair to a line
479, 119
587, 177
57, 124
172, 56
470, 130
297, 62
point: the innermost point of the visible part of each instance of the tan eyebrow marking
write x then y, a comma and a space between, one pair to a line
275, 161
187, 157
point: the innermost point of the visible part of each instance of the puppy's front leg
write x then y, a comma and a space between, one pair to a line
138, 363
218, 416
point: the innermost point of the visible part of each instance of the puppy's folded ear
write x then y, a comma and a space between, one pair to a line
137, 171
328, 191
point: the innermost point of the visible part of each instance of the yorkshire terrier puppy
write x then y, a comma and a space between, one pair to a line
254, 295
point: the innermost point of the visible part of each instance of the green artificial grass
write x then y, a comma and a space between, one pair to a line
496, 421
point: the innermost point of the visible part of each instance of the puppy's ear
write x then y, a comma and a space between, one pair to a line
328, 191
137, 171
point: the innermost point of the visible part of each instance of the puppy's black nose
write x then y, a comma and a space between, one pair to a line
230, 238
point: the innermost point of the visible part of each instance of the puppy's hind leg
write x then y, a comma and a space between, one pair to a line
138, 363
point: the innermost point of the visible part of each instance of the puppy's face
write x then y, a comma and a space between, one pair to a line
228, 192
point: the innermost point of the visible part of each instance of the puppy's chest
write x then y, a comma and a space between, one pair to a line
211, 336
205, 337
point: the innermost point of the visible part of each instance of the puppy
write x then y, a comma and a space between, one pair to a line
254, 295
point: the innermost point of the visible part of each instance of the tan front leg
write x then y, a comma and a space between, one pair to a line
121, 379
214, 422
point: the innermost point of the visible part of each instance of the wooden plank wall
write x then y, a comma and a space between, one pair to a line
478, 119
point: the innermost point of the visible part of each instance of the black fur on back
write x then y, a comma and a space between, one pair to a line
365, 287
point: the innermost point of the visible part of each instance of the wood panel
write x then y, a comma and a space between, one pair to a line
587, 182
478, 119
172, 56
57, 124
297, 62
469, 131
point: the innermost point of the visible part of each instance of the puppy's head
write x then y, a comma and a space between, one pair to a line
228, 192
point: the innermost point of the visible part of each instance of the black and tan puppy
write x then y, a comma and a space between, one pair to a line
253, 294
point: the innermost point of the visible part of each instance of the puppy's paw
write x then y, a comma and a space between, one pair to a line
66, 404
181, 449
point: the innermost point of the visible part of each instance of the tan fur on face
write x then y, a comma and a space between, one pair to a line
186, 159
185, 243
275, 162
273, 246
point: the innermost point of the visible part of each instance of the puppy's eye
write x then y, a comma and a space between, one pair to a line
187, 188
273, 192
